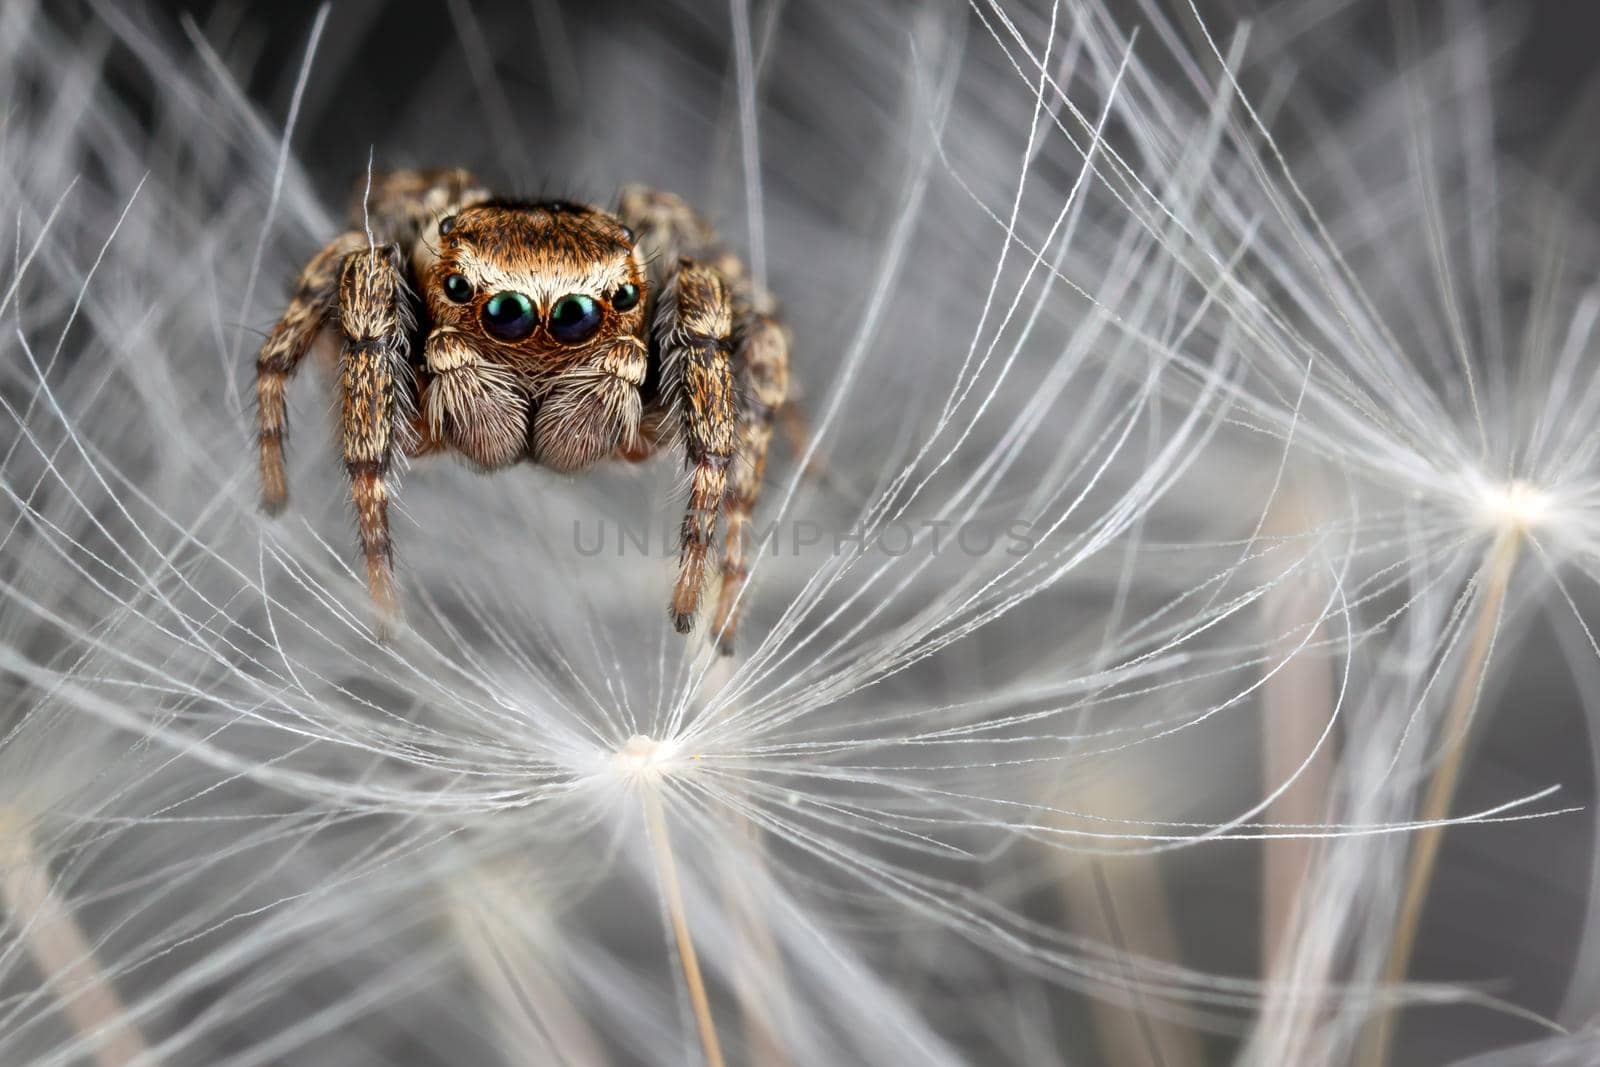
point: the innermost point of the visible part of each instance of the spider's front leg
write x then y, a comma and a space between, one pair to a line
761, 368
697, 275
693, 326
282, 354
374, 321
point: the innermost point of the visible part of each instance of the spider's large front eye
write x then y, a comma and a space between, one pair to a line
458, 289
574, 318
509, 316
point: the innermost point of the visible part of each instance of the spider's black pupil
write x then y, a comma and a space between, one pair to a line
574, 318
625, 297
509, 316
458, 288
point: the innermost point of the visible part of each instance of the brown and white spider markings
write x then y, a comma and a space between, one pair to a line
546, 331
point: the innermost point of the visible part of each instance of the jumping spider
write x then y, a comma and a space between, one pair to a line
540, 330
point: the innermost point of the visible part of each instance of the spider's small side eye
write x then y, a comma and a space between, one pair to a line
509, 316
626, 296
448, 224
574, 318
458, 288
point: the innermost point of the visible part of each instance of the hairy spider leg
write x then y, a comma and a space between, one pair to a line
761, 369
374, 321
308, 312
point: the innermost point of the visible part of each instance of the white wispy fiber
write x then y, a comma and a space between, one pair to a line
1188, 465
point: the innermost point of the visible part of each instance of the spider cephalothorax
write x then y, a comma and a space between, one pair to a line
544, 331
535, 306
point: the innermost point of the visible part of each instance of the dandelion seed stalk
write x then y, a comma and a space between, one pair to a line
758, 955
1299, 704
1442, 787
61, 951
1298, 700
1123, 903
672, 892
533, 1011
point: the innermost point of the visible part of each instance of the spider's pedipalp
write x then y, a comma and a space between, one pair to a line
594, 411
473, 405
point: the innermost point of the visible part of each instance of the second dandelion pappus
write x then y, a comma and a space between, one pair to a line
540, 330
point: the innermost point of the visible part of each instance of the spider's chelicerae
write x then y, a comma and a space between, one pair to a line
541, 330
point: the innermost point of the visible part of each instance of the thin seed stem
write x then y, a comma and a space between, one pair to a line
758, 958
62, 953
667, 869
536, 1019
1299, 699
1123, 904
1442, 788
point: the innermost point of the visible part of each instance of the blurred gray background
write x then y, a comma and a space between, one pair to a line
377, 60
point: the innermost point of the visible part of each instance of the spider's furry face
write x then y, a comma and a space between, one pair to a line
548, 299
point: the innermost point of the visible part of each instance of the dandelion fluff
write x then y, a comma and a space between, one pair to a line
1120, 412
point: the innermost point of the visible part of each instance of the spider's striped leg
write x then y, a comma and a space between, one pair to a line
280, 357
693, 323
400, 205
761, 364
668, 229
374, 320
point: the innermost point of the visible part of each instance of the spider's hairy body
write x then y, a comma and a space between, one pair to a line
545, 331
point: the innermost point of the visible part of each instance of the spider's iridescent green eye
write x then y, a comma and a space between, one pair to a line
509, 316
574, 318
458, 288
625, 297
